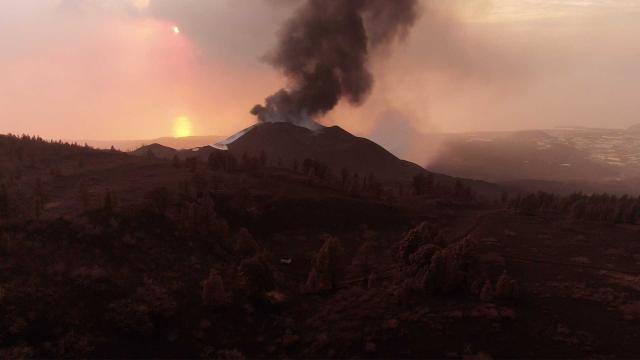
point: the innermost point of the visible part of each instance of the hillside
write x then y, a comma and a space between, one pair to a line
190, 256
338, 149
578, 159
519, 157
332, 145
285, 145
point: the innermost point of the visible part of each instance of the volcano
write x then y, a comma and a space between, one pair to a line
286, 143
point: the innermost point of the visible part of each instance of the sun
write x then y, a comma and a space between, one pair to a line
176, 30
182, 127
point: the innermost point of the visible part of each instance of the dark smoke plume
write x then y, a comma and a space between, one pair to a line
324, 51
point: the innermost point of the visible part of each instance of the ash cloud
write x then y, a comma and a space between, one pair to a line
324, 52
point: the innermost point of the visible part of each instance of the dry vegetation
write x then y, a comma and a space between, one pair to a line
107, 255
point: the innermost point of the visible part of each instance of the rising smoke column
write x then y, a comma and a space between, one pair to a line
324, 51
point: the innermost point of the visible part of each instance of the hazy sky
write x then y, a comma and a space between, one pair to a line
117, 69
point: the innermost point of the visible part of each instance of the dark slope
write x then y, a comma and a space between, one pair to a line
285, 143
338, 149
331, 145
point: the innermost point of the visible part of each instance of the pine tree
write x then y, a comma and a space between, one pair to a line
39, 198
108, 202
213, 291
4, 200
487, 294
245, 246
364, 261
344, 174
506, 287
327, 266
256, 276
307, 165
418, 183
176, 162
263, 159
84, 198
504, 198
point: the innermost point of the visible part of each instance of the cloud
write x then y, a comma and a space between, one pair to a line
236, 30
114, 69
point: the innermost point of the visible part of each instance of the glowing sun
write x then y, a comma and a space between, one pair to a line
182, 127
176, 30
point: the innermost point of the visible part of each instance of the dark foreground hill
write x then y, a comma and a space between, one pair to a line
108, 255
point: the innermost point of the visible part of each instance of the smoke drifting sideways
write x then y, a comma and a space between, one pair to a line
324, 52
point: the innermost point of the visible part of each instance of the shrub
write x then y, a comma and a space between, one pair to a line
451, 269
245, 246
327, 265
159, 199
137, 313
364, 261
506, 287
200, 219
256, 275
4, 200
213, 292
17, 352
487, 293
415, 238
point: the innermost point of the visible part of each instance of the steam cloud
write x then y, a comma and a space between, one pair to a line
324, 51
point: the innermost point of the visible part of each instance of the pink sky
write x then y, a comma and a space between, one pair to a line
114, 69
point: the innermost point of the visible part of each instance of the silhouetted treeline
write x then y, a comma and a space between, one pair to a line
596, 207
26, 147
315, 170
18, 153
425, 184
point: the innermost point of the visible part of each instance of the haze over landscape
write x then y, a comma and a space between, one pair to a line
111, 70
222, 179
